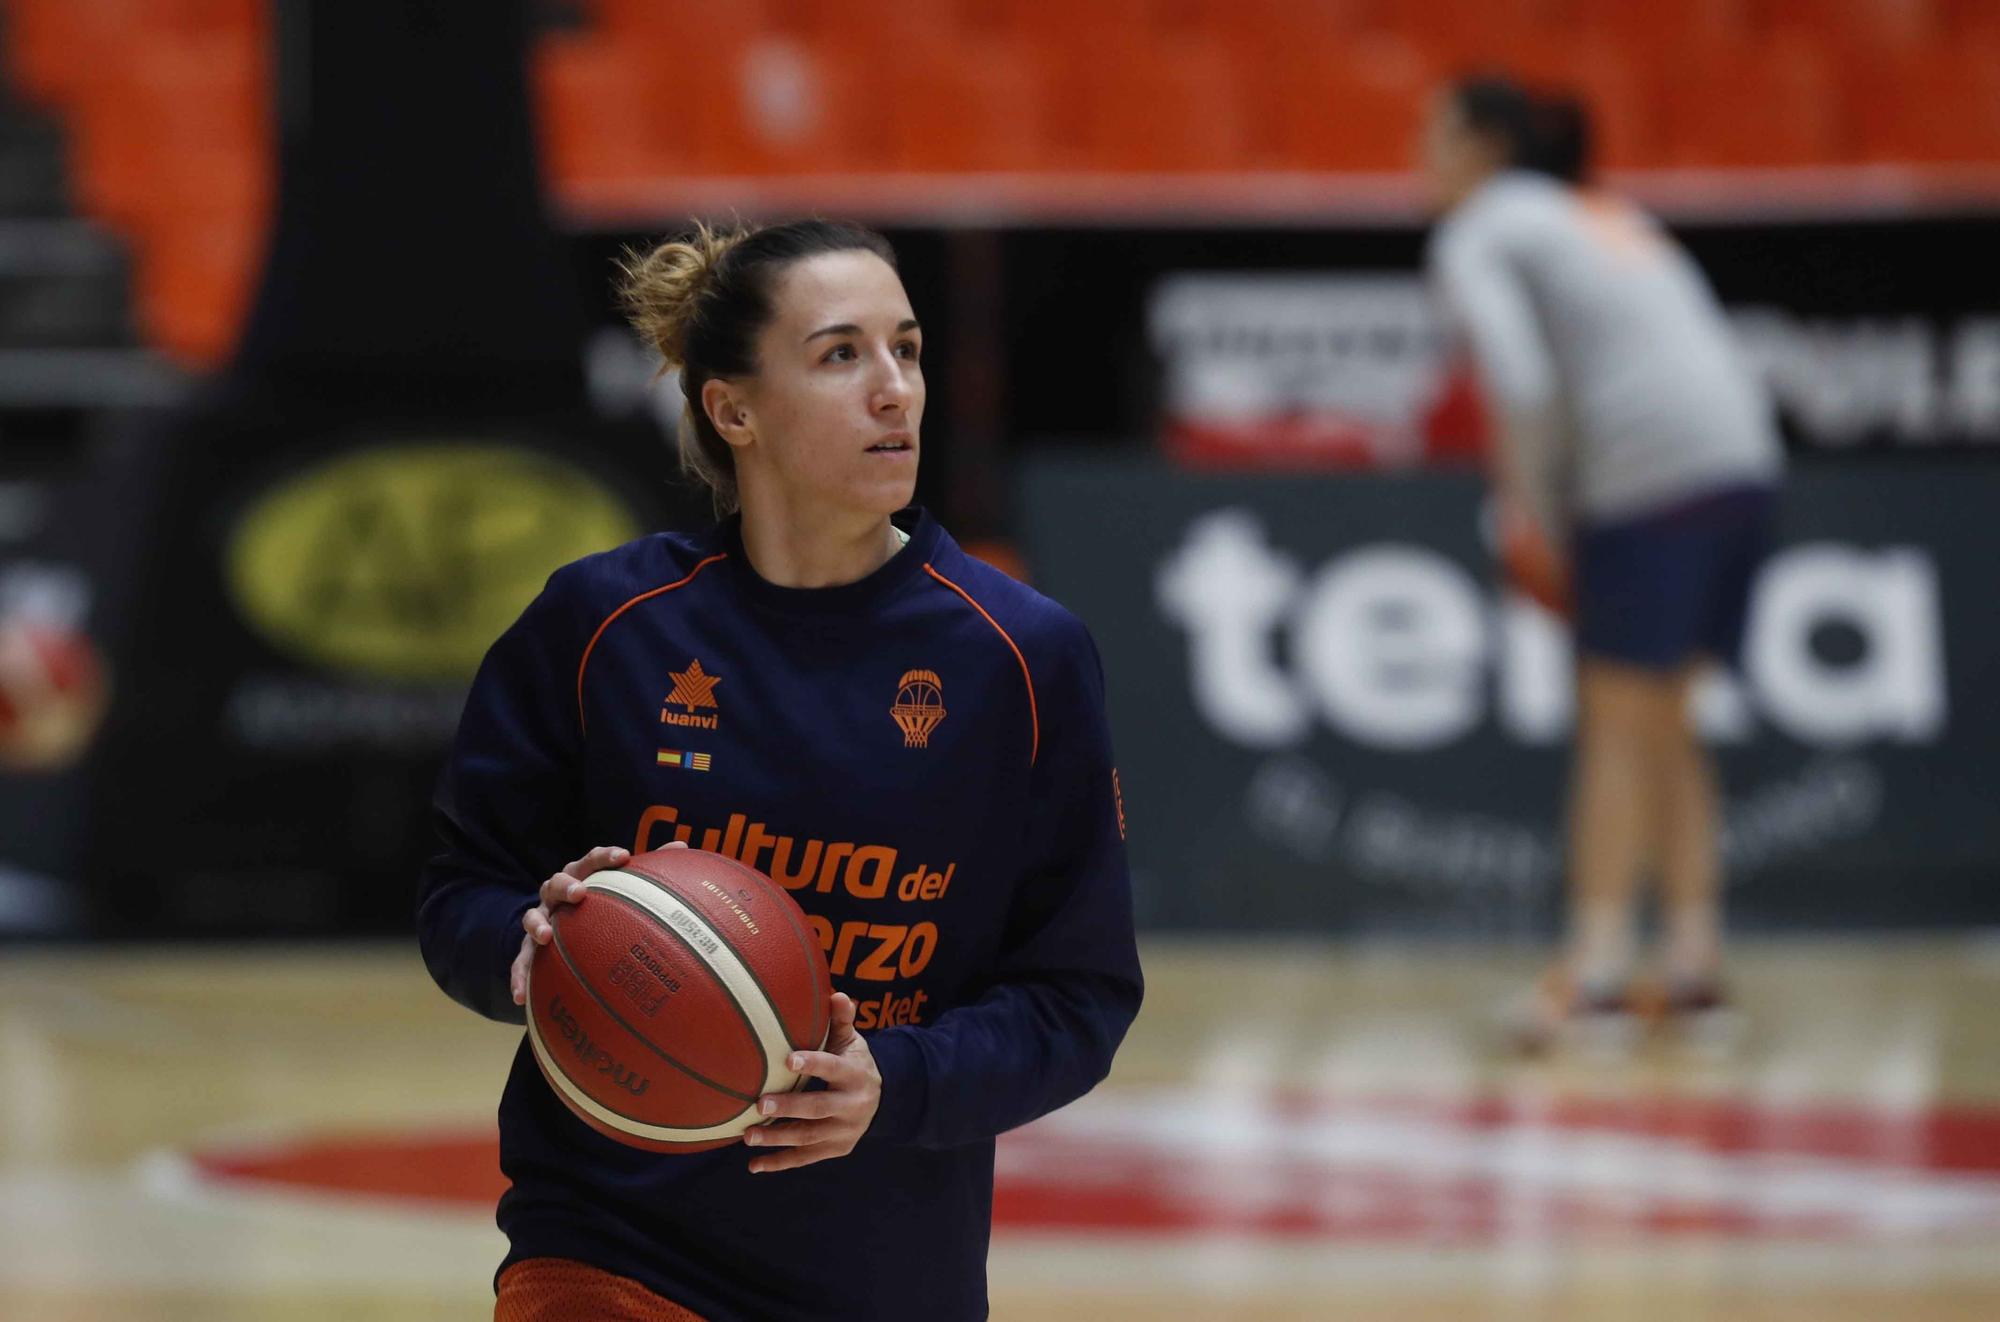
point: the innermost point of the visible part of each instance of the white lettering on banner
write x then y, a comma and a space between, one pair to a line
1229, 590
1364, 355
1432, 850
1444, 852
1895, 689
1721, 708
1845, 380
1240, 351
1291, 800
1393, 637
1839, 798
1975, 379
1390, 644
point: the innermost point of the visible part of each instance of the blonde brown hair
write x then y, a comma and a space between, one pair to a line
701, 302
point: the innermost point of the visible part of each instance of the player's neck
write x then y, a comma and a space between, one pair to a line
816, 549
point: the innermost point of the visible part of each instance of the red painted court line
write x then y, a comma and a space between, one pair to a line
1052, 1180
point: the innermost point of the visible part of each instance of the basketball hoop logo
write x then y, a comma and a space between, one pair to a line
919, 706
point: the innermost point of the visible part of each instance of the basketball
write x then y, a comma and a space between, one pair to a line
1531, 566
670, 997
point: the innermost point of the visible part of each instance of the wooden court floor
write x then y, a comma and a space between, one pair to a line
1294, 1131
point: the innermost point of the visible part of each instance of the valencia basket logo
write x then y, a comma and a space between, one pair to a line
919, 706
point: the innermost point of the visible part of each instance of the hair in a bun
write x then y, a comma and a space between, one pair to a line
662, 290
700, 302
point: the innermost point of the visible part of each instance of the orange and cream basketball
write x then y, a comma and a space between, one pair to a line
671, 996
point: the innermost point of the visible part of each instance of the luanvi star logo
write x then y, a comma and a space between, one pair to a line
693, 689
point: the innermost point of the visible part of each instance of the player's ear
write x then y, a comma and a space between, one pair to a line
728, 411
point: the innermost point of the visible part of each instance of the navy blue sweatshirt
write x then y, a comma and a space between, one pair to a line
922, 759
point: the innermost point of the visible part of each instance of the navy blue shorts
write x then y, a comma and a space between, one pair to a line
1660, 589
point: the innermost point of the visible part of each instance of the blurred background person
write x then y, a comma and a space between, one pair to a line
1635, 462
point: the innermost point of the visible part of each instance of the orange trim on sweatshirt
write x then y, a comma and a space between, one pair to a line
582, 720
1034, 716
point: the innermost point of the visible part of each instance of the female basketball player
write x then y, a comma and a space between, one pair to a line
1634, 450
959, 852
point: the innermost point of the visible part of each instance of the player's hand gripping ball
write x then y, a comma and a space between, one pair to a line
675, 996
814, 1126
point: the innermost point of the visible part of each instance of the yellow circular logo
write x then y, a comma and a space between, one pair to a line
406, 562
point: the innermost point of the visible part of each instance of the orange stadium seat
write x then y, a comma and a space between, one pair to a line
59, 50
170, 141
1100, 27
886, 26
1932, 106
689, 25
1604, 76
1775, 102
1337, 105
664, 87
596, 112
1456, 35
1847, 24
964, 107
41, 41
1971, 22
1148, 107
1266, 22
771, 106
194, 285
191, 17
196, 99
1639, 28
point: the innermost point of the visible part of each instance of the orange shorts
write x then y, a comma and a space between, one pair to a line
560, 1290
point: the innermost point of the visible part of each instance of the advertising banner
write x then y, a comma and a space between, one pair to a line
313, 607
1328, 718
65, 588
1322, 347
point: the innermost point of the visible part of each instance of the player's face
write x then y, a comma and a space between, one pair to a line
1455, 159
838, 396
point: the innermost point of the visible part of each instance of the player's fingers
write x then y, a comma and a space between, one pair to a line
675, 844
840, 1032
797, 1134
799, 1105
838, 1071
517, 976
535, 922
560, 889
563, 888
604, 856
793, 1158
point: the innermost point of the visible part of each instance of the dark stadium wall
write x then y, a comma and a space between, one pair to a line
401, 449
412, 265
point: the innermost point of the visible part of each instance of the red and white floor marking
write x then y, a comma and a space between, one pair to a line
1176, 1163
